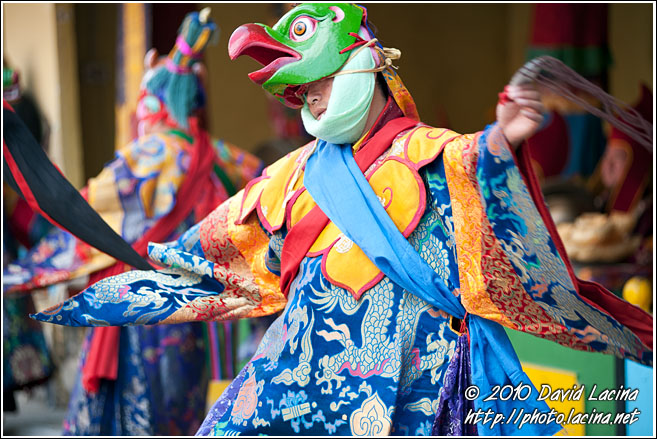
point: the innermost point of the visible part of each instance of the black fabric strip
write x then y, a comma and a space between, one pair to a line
9, 177
56, 196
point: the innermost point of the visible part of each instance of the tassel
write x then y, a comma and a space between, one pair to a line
453, 406
176, 83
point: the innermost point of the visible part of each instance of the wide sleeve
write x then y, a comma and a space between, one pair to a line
215, 271
512, 267
131, 193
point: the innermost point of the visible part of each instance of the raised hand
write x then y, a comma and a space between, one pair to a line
519, 112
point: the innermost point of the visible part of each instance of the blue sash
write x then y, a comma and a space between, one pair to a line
340, 189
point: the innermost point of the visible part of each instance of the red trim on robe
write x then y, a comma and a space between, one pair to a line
303, 234
102, 359
594, 294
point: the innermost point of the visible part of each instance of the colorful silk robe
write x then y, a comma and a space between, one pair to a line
353, 353
131, 193
162, 379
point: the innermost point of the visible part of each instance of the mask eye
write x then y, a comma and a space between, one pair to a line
302, 28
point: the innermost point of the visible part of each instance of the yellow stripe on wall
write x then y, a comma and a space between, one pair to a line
134, 49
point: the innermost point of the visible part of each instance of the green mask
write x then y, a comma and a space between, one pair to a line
303, 47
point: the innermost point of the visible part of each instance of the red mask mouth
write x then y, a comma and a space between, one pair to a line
294, 95
253, 40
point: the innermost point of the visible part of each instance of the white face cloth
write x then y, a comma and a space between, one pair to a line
349, 104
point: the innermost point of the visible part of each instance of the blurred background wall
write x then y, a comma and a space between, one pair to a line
455, 59
39, 41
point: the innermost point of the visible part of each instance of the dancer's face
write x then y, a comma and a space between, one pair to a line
318, 96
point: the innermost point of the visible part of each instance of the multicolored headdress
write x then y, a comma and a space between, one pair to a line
172, 91
311, 42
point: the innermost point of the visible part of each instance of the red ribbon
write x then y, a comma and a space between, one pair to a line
102, 358
503, 97
359, 42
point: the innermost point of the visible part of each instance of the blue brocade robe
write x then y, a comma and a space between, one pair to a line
334, 364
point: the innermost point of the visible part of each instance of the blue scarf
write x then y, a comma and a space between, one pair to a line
340, 189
